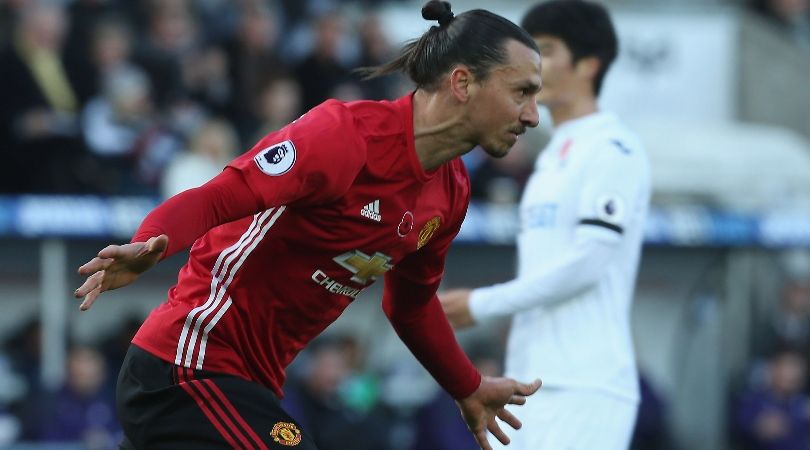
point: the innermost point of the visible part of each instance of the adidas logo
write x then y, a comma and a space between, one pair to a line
372, 211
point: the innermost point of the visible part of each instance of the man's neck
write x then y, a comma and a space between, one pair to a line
572, 111
439, 129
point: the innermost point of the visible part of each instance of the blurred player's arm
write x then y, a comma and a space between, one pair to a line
573, 272
610, 196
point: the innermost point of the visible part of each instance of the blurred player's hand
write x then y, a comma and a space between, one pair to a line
487, 402
456, 305
117, 266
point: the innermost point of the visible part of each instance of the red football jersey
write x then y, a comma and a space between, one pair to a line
346, 201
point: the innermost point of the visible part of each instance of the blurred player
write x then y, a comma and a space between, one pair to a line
288, 235
582, 217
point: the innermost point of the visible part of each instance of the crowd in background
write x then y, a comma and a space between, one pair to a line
149, 97
770, 400
153, 97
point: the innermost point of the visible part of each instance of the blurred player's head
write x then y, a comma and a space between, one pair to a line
578, 44
787, 371
484, 64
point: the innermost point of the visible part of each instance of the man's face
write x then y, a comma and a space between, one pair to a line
504, 104
560, 80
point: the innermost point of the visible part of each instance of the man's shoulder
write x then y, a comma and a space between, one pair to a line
612, 136
366, 117
378, 118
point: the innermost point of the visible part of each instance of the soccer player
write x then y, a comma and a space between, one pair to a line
582, 216
292, 231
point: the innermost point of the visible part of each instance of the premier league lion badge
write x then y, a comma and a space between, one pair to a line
276, 159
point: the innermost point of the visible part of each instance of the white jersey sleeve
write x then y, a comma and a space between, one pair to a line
610, 189
609, 192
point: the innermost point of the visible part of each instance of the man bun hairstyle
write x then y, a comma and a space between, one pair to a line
440, 11
584, 26
476, 39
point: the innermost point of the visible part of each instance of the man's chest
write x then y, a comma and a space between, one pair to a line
366, 232
551, 196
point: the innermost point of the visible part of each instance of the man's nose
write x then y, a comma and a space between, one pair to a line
530, 116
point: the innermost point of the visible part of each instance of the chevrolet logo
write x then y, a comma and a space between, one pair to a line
365, 268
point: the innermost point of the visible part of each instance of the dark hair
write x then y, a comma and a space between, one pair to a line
783, 348
585, 27
474, 38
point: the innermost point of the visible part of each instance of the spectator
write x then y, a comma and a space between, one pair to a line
39, 133
172, 38
279, 104
777, 415
83, 410
121, 130
375, 50
325, 68
87, 26
316, 403
790, 321
206, 80
111, 50
254, 61
210, 150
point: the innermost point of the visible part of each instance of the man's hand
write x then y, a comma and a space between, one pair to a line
456, 305
487, 402
117, 266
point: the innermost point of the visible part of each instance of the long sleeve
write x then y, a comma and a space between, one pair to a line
571, 273
190, 214
417, 317
412, 307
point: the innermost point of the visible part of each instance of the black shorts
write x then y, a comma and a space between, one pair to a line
164, 406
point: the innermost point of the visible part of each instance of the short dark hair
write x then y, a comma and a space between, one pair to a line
585, 28
475, 38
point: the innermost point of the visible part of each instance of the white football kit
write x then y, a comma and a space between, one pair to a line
582, 221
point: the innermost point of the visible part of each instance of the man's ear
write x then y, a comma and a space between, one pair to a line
462, 83
587, 68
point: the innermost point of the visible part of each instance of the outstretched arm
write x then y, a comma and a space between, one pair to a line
117, 266
172, 226
575, 271
190, 214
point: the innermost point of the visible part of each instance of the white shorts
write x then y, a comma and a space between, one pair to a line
561, 419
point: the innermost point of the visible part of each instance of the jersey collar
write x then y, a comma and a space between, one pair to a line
405, 104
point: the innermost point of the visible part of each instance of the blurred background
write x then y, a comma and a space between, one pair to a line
108, 106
